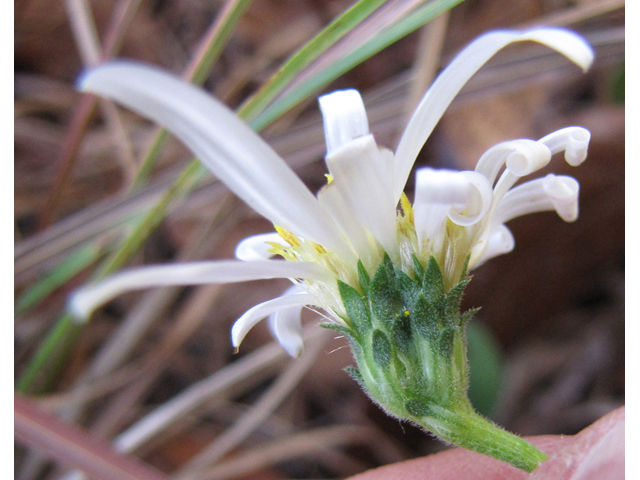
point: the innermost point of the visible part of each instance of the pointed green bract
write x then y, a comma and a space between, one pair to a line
355, 374
381, 348
402, 333
426, 319
432, 281
385, 299
355, 306
417, 267
363, 276
453, 298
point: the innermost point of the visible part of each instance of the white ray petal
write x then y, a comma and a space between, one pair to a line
286, 326
256, 247
430, 221
85, 300
356, 169
344, 118
453, 78
252, 316
464, 197
553, 192
332, 200
563, 192
233, 152
435, 191
498, 242
573, 140
522, 157
360, 170
476, 203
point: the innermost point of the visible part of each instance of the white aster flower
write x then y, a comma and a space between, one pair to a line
456, 217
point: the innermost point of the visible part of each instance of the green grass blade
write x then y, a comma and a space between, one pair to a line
49, 356
187, 180
206, 56
290, 99
307, 54
77, 261
150, 156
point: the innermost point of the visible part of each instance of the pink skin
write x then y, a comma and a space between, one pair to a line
596, 453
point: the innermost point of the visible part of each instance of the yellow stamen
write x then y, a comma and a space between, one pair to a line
319, 248
281, 250
287, 236
407, 209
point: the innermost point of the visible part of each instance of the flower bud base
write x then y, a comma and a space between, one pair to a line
408, 339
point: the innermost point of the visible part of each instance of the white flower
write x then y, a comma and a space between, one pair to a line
456, 216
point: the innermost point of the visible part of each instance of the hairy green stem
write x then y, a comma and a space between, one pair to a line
465, 428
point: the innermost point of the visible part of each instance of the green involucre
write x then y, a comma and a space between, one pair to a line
408, 340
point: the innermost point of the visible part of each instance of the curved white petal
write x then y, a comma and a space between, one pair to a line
521, 157
453, 78
436, 191
332, 200
252, 316
344, 118
499, 241
360, 171
356, 169
256, 247
573, 140
568, 43
286, 326
475, 205
85, 300
464, 197
233, 152
563, 192
553, 192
